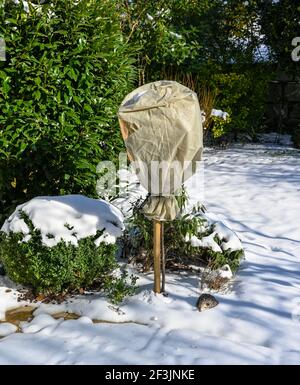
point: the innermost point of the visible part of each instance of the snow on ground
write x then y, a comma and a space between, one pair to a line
253, 190
6, 329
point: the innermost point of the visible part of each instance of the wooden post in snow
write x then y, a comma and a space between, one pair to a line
157, 228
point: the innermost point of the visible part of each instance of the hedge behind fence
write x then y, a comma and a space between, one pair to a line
67, 70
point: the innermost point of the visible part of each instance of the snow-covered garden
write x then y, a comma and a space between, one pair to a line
257, 318
149, 182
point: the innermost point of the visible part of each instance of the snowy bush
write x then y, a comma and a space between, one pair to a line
68, 218
191, 239
79, 254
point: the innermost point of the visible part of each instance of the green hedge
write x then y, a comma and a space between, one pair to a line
67, 70
242, 93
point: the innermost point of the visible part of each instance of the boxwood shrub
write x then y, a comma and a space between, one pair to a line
63, 268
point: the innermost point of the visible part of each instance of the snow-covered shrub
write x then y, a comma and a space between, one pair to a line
68, 217
58, 245
67, 70
190, 239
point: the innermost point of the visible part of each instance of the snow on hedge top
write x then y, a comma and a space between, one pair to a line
69, 217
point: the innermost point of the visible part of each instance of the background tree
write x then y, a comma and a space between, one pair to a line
214, 47
280, 22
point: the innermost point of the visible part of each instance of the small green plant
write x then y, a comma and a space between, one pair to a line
117, 288
63, 268
138, 241
219, 127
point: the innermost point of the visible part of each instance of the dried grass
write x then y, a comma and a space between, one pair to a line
205, 94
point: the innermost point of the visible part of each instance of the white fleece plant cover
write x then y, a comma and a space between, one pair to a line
162, 128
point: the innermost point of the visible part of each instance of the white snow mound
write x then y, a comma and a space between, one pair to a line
68, 217
7, 329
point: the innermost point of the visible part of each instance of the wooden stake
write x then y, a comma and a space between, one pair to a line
156, 255
163, 259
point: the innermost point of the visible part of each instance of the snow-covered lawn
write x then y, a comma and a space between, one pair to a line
255, 190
